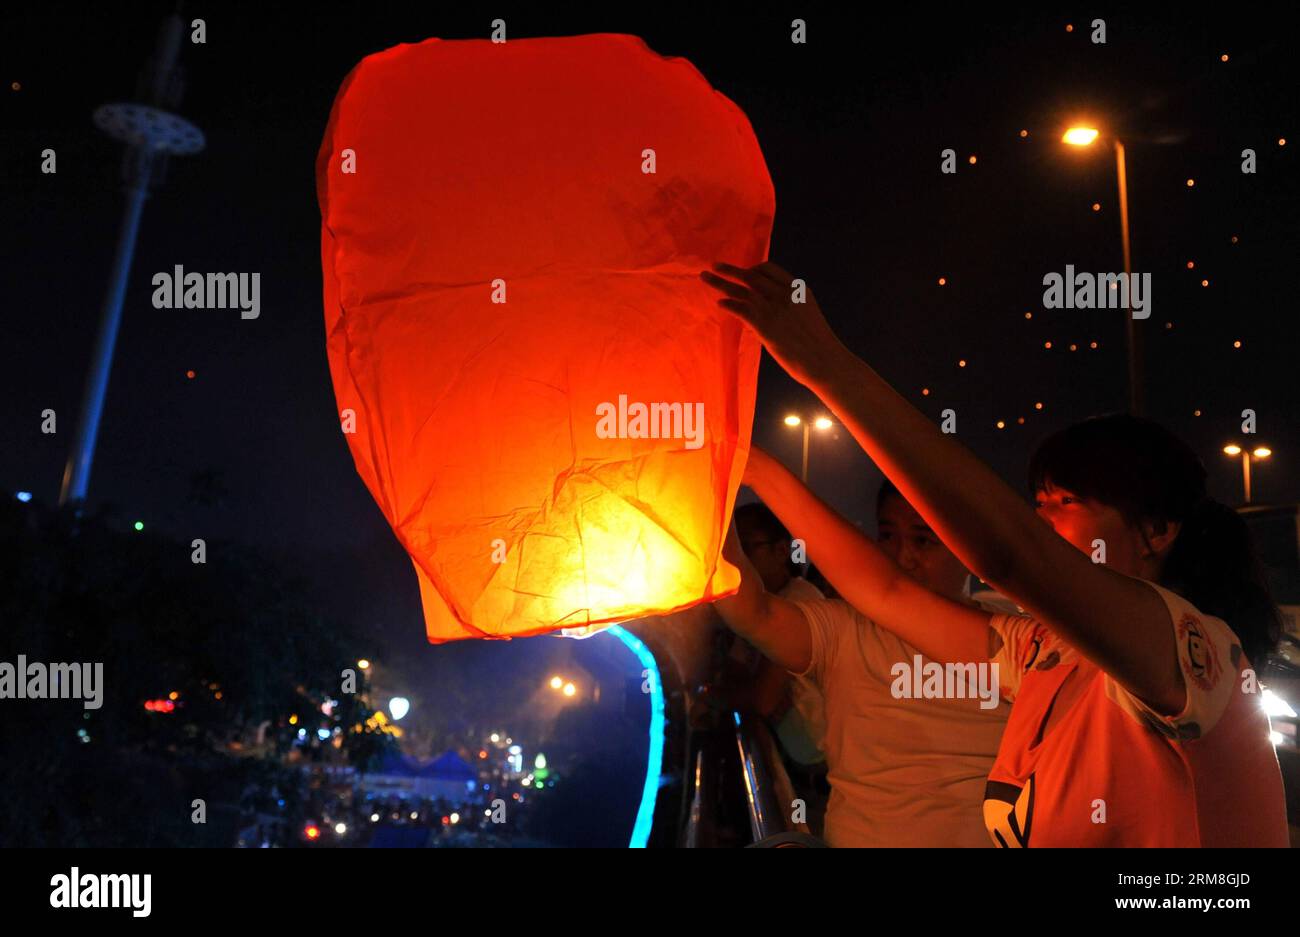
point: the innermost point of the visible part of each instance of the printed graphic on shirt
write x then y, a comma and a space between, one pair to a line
1203, 662
1009, 813
1035, 646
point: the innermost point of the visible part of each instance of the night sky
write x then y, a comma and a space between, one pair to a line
851, 124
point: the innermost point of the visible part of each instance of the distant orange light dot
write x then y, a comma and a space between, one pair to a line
1096, 206
1073, 347
190, 374
925, 392
1191, 265
1047, 344
1196, 413
943, 281
1169, 325
1020, 419
961, 363
1024, 133
1038, 406
972, 159
1190, 183
1069, 27
1001, 425
1234, 239
1281, 141
1093, 345
1029, 315
1236, 344
16, 86
1205, 283
1224, 57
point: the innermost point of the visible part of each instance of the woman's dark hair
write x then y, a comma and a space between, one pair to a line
886, 491
758, 518
1148, 474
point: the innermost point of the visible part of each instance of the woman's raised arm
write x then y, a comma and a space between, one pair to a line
1118, 622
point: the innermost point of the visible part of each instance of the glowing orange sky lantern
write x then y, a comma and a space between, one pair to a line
545, 400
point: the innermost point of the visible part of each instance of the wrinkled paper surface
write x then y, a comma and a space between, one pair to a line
475, 421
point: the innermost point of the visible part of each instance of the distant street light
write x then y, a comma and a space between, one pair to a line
398, 707
1086, 136
1259, 453
821, 422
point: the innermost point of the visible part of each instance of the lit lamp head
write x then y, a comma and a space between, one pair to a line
1262, 452
1080, 136
1232, 449
820, 422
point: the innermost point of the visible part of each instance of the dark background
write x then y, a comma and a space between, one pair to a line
852, 125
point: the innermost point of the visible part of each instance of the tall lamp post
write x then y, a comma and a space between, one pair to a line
821, 422
151, 133
1086, 136
1259, 453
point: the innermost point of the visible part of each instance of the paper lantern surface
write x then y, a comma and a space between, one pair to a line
544, 400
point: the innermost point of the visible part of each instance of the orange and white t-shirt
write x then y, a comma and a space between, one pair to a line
1112, 771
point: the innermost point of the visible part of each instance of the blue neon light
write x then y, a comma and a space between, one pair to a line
655, 762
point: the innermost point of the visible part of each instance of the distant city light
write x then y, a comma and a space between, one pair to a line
363, 664
556, 683
322, 734
398, 707
455, 818
495, 737
1274, 705
570, 689
139, 525
374, 818
24, 496
312, 831
340, 828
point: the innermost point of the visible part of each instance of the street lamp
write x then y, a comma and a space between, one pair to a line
821, 422
1259, 453
1086, 136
